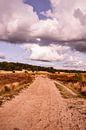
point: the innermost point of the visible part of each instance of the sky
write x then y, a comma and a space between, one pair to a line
48, 33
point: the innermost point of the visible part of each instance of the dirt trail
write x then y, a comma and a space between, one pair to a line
41, 107
67, 89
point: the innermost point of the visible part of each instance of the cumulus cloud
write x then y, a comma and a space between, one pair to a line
56, 54
59, 39
70, 17
20, 23
43, 53
65, 23
69, 26
46, 30
16, 18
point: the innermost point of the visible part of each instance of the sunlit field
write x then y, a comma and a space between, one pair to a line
11, 83
74, 81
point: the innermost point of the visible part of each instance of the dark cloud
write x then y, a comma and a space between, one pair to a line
40, 60
79, 46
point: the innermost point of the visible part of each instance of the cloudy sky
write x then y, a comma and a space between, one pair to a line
44, 32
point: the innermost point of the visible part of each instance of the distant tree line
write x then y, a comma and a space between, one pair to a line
10, 66
70, 71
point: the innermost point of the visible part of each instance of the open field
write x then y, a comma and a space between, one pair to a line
11, 83
75, 81
44, 104
42, 107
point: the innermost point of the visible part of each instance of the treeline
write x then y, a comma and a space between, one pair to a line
70, 71
10, 66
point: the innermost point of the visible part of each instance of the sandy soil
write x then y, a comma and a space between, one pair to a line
41, 107
67, 89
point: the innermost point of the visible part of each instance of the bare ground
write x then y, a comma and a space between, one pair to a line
41, 107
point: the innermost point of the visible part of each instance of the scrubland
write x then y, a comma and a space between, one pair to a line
75, 81
11, 83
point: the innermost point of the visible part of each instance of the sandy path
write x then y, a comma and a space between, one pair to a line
67, 89
41, 107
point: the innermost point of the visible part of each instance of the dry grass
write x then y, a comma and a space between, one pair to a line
64, 92
76, 82
12, 83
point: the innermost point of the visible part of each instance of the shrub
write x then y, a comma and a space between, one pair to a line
7, 88
13, 71
26, 72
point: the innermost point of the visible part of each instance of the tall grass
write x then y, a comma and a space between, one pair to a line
12, 83
75, 81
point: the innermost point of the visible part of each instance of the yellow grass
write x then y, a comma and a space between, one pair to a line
12, 83
74, 81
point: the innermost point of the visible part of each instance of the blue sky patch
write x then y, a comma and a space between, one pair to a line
39, 6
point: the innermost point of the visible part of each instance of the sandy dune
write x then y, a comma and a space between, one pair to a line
41, 107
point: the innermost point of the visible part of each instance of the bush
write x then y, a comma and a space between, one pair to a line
13, 71
7, 88
26, 72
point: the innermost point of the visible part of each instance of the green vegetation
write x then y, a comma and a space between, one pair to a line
10, 66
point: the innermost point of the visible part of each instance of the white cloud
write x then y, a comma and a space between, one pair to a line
19, 23
55, 53
2, 55
66, 21
46, 53
59, 56
48, 29
16, 18
69, 27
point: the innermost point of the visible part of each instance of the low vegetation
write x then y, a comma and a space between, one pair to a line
12, 83
10, 66
74, 81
